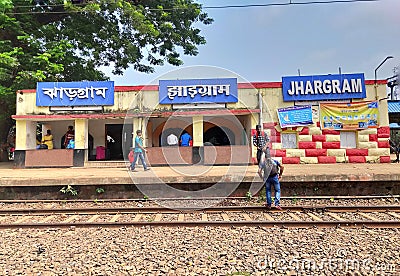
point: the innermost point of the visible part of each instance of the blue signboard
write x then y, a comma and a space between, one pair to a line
323, 87
85, 93
198, 91
295, 116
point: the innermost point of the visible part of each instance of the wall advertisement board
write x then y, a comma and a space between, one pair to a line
349, 116
295, 116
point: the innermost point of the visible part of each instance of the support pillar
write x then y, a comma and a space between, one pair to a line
137, 124
25, 139
198, 131
81, 133
25, 135
81, 142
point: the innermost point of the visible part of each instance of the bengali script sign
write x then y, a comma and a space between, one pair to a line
198, 91
84, 93
323, 87
348, 116
295, 116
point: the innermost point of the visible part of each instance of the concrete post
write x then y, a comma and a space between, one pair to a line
197, 131
25, 135
137, 124
81, 133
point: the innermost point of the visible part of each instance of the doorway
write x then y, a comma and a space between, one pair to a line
118, 141
219, 136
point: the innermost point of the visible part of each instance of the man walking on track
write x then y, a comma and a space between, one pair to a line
271, 172
138, 151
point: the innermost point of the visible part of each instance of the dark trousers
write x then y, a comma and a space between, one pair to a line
259, 153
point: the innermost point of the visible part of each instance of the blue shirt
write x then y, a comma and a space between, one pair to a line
138, 141
185, 139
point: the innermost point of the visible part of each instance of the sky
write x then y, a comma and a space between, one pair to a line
263, 44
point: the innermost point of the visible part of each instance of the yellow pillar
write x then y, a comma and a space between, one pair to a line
197, 131
25, 137
137, 124
20, 135
81, 133
149, 137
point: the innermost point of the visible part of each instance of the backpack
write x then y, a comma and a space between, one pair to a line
71, 144
271, 168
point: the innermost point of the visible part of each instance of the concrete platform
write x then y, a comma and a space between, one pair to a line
194, 174
303, 179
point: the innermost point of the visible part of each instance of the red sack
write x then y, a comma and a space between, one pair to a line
131, 156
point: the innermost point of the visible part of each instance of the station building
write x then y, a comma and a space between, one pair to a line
309, 119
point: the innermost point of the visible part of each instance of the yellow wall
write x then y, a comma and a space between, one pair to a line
142, 101
147, 101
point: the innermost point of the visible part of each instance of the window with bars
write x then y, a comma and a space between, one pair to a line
348, 140
289, 140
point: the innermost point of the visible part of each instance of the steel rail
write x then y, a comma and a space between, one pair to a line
269, 224
126, 210
313, 211
101, 200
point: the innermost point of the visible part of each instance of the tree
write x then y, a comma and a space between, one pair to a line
67, 40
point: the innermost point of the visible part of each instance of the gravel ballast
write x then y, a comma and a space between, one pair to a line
200, 251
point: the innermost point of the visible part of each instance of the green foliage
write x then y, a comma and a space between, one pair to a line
262, 196
249, 196
100, 190
69, 190
55, 40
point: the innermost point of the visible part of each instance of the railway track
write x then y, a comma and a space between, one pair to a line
386, 216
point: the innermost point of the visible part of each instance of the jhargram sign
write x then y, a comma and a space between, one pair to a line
85, 93
323, 87
198, 91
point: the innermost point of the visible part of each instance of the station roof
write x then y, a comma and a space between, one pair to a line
394, 107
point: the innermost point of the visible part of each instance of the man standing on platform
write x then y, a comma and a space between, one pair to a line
185, 139
69, 136
138, 151
260, 141
172, 140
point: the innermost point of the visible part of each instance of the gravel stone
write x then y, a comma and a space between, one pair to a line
200, 251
